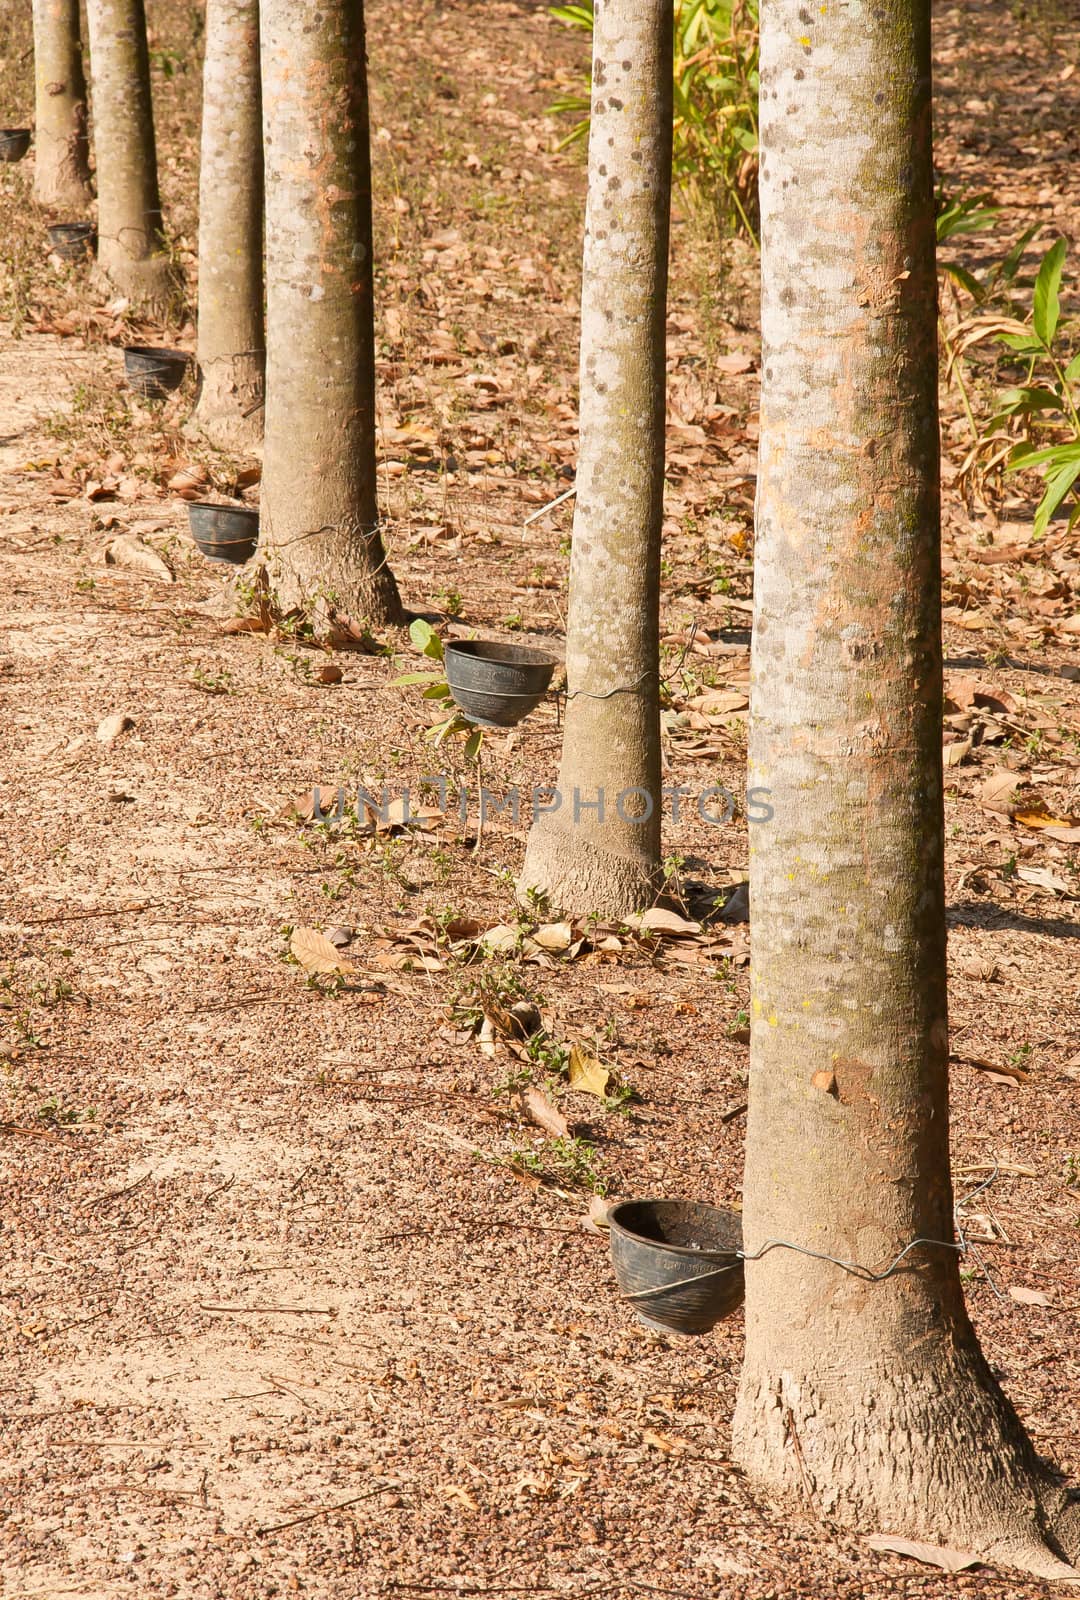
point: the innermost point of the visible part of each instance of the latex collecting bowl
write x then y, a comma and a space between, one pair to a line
72, 241
153, 370
224, 533
14, 143
677, 1262
496, 684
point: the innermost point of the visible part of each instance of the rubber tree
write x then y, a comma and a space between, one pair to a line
600, 849
231, 354
871, 1400
131, 245
61, 148
320, 534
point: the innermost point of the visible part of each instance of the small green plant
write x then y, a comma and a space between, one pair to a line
436, 688
54, 1114
1037, 422
570, 1160
212, 682
452, 601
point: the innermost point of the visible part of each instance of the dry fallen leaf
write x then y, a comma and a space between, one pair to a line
1041, 818
1043, 878
188, 480
554, 936
303, 807
719, 702
934, 1555
1029, 1297
953, 754
981, 967
662, 1442
540, 1110
455, 1491
112, 727
998, 791
995, 1070
329, 672
658, 920
315, 953
128, 551
587, 1074
245, 625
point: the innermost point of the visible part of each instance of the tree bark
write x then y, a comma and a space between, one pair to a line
61, 148
583, 859
320, 522
131, 245
872, 1401
231, 343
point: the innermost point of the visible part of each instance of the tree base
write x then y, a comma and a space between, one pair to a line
334, 577
150, 284
62, 191
229, 408
579, 877
931, 1452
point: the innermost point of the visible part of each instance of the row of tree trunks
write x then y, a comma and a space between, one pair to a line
864, 1397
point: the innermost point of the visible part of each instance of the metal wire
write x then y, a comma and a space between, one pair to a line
855, 1268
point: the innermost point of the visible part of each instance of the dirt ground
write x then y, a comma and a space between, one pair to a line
294, 1296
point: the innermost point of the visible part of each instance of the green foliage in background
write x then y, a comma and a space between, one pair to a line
1036, 421
715, 146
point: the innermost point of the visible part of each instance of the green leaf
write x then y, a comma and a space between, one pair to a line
577, 16
1016, 402
476, 739
1057, 487
1047, 308
437, 691
1058, 454
971, 214
961, 275
1011, 264
1072, 371
415, 677
1025, 343
425, 638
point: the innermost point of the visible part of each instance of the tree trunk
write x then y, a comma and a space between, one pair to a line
581, 858
320, 534
231, 348
61, 149
871, 1401
131, 246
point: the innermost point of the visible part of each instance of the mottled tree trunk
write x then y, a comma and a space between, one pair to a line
870, 1400
131, 246
583, 859
231, 351
320, 533
61, 149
